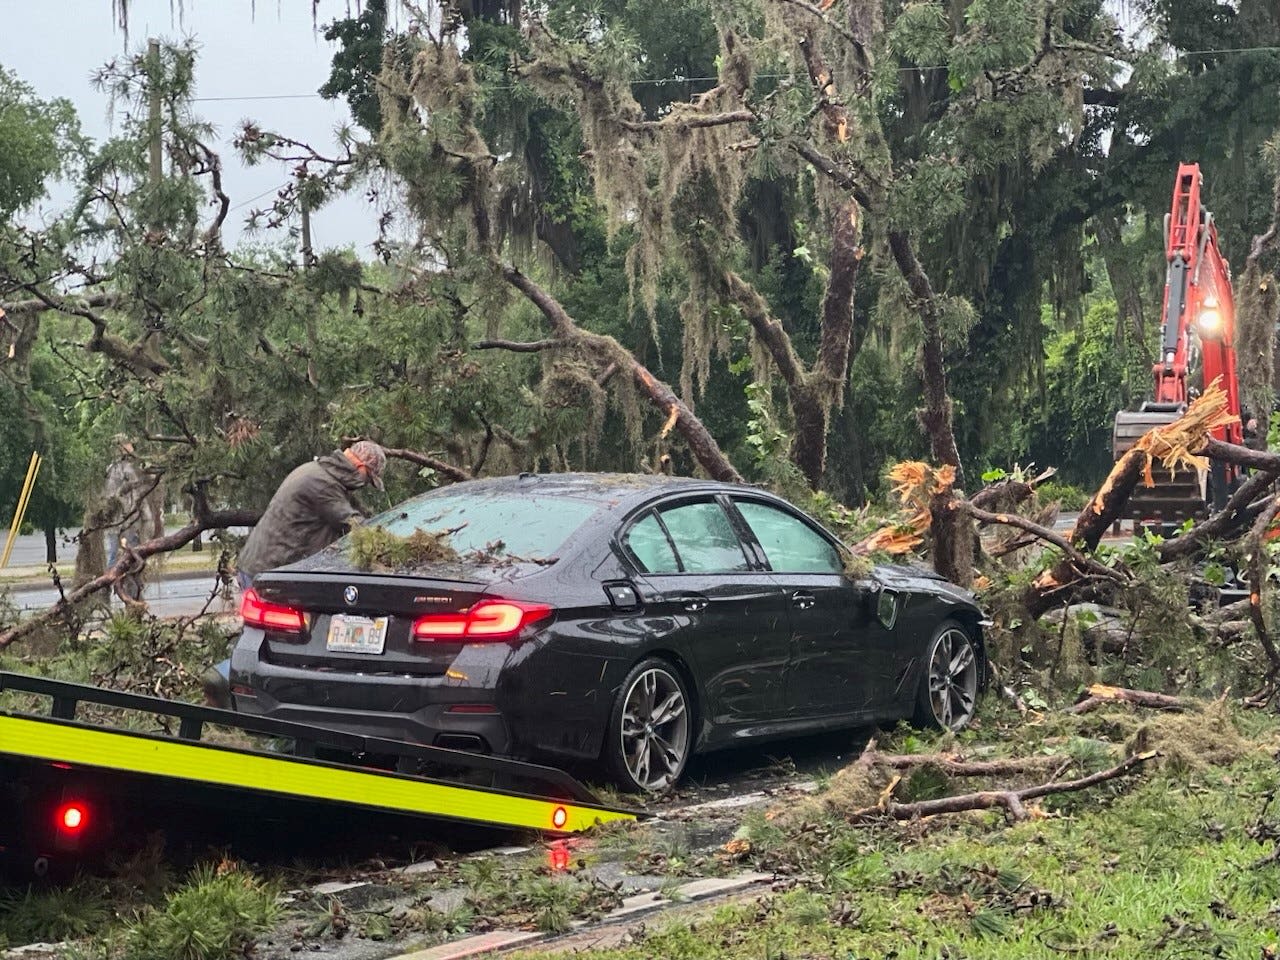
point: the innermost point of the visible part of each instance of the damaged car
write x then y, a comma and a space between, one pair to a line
629, 620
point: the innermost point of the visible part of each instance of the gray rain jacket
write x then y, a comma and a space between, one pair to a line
313, 507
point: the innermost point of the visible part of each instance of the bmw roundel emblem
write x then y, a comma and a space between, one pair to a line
351, 595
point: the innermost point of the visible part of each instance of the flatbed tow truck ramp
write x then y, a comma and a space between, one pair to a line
68, 785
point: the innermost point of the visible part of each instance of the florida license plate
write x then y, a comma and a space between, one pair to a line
356, 634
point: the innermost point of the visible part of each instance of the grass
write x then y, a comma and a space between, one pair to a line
1170, 864
216, 915
53, 915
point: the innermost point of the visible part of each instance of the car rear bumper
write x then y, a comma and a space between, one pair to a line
439, 711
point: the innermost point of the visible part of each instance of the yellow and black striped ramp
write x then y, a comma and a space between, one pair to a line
79, 745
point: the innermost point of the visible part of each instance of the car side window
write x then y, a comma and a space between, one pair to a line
704, 538
790, 545
650, 546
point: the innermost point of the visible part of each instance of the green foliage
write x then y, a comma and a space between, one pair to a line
41, 139
357, 62
376, 548
216, 915
52, 915
1087, 379
1066, 495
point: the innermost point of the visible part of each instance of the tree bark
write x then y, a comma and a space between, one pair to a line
957, 766
1242, 508
936, 416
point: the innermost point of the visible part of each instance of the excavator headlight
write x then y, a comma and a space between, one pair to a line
1209, 322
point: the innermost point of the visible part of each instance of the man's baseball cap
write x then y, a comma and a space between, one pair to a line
372, 457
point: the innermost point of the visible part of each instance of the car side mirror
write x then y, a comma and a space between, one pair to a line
886, 606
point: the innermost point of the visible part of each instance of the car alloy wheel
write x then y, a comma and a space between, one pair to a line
951, 694
652, 728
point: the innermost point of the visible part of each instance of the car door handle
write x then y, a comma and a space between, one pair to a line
803, 601
695, 603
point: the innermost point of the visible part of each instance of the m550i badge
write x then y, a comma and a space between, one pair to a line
427, 598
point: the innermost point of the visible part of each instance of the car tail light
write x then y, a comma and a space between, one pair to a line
257, 612
487, 620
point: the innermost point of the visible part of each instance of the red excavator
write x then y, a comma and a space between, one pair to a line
1197, 334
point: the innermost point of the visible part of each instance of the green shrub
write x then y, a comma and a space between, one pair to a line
1068, 496
216, 915
50, 916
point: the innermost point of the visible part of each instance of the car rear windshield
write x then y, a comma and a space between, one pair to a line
527, 525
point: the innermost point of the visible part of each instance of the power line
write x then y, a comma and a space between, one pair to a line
269, 96
245, 203
666, 81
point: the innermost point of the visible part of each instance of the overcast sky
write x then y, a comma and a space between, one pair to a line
245, 57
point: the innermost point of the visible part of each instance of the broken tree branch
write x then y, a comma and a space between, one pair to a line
1100, 695
1240, 509
701, 443
684, 121
1011, 800
1084, 562
1254, 547
517, 346
955, 765
129, 563
442, 467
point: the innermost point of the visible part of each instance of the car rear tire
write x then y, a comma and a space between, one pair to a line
948, 695
651, 729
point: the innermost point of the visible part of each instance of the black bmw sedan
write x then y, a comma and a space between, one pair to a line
633, 620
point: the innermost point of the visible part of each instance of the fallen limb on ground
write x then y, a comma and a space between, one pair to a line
954, 765
1011, 800
1100, 695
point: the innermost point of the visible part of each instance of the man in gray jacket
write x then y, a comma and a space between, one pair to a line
312, 508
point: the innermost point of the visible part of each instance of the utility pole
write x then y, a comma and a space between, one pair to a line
153, 127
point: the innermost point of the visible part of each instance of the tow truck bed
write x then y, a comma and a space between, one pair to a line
51, 760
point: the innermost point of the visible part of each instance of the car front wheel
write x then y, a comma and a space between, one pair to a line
650, 730
948, 694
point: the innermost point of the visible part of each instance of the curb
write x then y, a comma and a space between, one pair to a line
497, 941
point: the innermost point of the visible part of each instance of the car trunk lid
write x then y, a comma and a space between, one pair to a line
363, 623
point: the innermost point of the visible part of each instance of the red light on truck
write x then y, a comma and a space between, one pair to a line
72, 817
559, 817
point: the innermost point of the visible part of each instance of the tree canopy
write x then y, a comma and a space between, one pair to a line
786, 241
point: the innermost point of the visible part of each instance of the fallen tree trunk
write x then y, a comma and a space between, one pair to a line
1012, 801
1100, 695
129, 562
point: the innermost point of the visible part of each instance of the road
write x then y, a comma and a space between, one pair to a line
177, 597
28, 550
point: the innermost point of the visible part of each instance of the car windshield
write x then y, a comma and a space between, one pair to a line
527, 525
